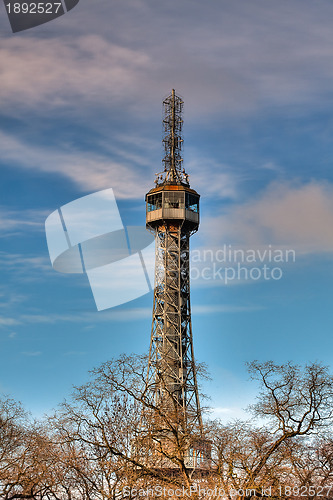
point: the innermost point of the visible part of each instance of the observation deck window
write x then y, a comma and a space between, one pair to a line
173, 200
154, 202
192, 202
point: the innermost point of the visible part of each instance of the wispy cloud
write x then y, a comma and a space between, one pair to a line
31, 353
96, 171
270, 58
23, 263
224, 308
88, 170
89, 69
287, 214
15, 221
214, 178
128, 314
10, 298
9, 321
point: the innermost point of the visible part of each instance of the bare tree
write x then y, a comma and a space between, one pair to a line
29, 460
311, 467
293, 403
102, 444
19, 473
113, 419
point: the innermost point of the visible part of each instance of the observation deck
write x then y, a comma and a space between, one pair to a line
172, 202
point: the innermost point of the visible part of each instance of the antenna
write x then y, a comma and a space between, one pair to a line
173, 124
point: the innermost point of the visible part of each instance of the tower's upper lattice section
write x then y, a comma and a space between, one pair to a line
173, 123
172, 200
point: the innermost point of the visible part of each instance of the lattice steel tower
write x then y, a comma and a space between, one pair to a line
172, 213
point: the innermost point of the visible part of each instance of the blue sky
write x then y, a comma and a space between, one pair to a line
81, 109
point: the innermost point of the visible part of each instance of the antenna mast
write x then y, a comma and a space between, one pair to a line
173, 124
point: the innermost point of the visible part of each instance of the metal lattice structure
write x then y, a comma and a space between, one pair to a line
172, 371
173, 215
173, 141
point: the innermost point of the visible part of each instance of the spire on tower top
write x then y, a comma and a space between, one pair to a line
173, 123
